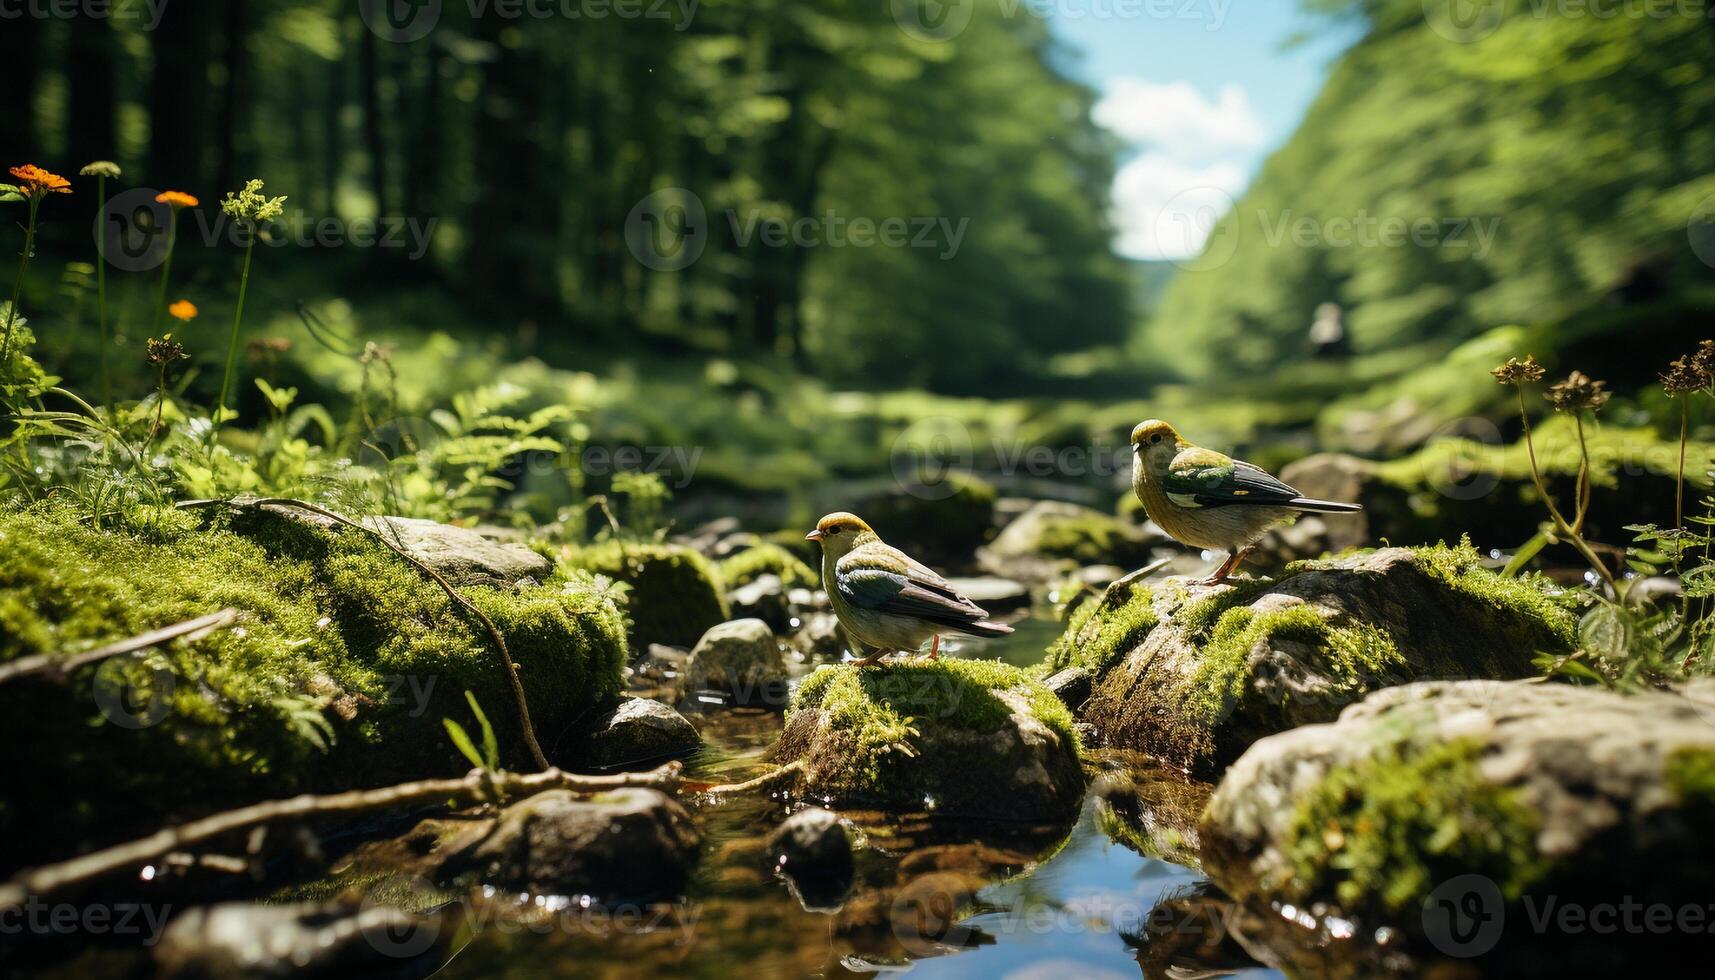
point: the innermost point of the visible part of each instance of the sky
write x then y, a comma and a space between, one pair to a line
1201, 91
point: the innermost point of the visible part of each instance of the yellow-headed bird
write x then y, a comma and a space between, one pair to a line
885, 599
1207, 500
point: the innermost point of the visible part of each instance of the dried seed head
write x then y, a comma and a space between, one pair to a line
1515, 371
1578, 392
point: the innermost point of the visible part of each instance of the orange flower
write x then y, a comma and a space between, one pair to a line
36, 182
178, 199
184, 309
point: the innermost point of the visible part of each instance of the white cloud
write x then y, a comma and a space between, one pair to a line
1174, 117
1197, 155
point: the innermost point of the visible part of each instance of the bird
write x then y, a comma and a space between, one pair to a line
1206, 499
886, 600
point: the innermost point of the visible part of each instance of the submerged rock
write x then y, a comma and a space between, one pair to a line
812, 851
1194, 674
1053, 537
626, 845
1464, 814
736, 663
968, 738
246, 939
638, 730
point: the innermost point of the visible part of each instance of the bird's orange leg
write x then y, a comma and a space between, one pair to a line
872, 659
935, 648
1228, 566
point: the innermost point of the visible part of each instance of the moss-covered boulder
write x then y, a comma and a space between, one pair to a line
1053, 537
1194, 674
674, 595
1469, 815
337, 673
967, 738
762, 559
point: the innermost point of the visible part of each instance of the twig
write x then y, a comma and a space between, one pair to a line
447, 587
478, 786
763, 781
60, 665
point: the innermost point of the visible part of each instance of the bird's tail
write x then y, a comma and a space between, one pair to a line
984, 628
1323, 506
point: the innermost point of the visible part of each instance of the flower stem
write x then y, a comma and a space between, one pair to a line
101, 294
18, 286
1582, 508
232, 345
166, 270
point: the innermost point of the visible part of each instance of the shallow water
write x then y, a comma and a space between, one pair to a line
932, 897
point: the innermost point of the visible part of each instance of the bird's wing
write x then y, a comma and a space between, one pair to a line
885, 579
1204, 478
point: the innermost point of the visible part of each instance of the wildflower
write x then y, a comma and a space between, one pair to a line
178, 199
1703, 360
103, 169
373, 352
1515, 371
1577, 393
165, 351
184, 309
1681, 378
34, 182
252, 205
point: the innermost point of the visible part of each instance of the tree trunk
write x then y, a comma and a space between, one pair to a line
90, 118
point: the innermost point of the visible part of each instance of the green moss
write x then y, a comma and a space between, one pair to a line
673, 597
1355, 656
1691, 774
765, 559
1524, 602
1382, 833
873, 711
1090, 538
338, 673
1098, 633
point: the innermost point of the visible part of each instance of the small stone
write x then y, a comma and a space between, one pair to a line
735, 663
762, 598
1072, 685
820, 636
247, 939
638, 731
812, 852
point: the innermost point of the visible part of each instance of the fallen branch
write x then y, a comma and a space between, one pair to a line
447, 587
478, 786
763, 781
60, 665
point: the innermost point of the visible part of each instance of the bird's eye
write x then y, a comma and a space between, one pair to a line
1155, 438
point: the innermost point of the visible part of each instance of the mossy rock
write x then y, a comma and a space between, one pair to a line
1222, 666
337, 674
966, 738
674, 594
1487, 793
1053, 537
766, 558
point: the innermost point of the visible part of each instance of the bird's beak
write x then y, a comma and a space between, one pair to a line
813, 536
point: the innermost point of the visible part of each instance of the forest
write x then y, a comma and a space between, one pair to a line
625, 486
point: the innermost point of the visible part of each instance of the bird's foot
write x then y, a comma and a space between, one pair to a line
873, 659
935, 648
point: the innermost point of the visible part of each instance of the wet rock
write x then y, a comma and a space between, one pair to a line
638, 730
1439, 809
967, 738
463, 556
997, 595
1053, 537
627, 845
1151, 809
820, 636
1072, 685
735, 663
762, 598
812, 851
1194, 674
246, 939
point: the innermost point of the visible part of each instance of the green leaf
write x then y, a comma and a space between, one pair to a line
1605, 632
463, 742
490, 745
1526, 552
